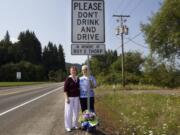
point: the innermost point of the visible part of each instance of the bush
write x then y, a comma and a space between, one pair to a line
8, 72
109, 78
162, 76
58, 75
29, 72
116, 78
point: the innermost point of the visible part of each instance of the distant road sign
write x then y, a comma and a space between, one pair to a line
88, 21
87, 49
18, 75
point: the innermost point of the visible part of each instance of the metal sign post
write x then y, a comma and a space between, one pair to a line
89, 73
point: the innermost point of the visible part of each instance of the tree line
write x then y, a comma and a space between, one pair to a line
139, 69
27, 56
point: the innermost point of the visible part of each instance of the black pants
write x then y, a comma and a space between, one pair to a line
83, 102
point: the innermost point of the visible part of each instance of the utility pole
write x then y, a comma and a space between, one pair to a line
122, 29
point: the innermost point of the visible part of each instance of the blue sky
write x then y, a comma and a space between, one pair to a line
51, 21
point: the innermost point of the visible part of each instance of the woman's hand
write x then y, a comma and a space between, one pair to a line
67, 100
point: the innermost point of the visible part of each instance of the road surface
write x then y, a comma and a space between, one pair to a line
34, 110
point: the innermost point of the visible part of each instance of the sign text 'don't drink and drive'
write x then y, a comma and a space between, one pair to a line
88, 23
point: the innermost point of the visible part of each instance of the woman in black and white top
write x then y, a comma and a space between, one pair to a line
71, 90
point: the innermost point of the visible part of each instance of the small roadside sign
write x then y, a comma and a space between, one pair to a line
18, 75
88, 21
88, 49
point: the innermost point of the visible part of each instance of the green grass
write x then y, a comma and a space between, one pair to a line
138, 114
10, 84
132, 87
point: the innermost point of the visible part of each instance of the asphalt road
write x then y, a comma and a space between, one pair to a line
30, 110
34, 110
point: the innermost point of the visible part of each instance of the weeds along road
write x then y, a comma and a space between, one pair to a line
32, 110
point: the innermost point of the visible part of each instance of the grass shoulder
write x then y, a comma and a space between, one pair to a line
143, 113
11, 84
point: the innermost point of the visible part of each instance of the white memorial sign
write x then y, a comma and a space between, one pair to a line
87, 49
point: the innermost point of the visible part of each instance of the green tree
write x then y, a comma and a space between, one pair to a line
61, 58
162, 34
54, 62
101, 63
133, 63
5, 45
132, 66
158, 72
107, 68
52, 75
29, 48
163, 30
6, 42
50, 57
3, 55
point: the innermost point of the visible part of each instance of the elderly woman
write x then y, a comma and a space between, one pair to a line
87, 83
71, 91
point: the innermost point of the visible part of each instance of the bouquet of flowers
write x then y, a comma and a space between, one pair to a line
88, 119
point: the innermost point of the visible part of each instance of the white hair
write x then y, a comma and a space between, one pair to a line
84, 67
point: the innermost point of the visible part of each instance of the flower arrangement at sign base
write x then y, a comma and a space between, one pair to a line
88, 120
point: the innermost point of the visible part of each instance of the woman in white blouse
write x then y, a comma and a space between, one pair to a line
87, 83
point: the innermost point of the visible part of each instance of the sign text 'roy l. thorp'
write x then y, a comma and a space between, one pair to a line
87, 49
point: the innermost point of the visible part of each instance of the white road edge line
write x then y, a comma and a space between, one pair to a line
23, 104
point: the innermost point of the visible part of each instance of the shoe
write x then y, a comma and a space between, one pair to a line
68, 129
75, 128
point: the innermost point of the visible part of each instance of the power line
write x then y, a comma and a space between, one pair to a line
135, 7
119, 5
138, 44
127, 5
117, 8
132, 10
131, 39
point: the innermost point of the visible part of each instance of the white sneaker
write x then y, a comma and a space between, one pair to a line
68, 129
76, 127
